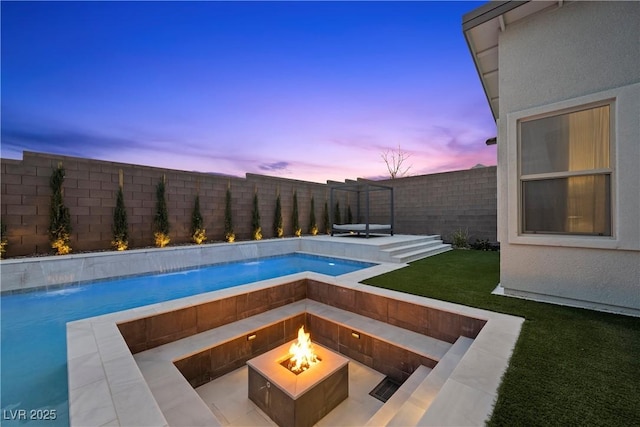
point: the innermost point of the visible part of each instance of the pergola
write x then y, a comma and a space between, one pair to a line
366, 227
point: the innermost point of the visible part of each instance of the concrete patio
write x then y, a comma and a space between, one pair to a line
110, 385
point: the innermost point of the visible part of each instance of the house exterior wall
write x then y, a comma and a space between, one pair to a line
426, 204
580, 53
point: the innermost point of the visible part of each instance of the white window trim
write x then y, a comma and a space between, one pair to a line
566, 174
513, 178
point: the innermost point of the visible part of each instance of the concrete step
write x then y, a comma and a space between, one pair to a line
395, 402
416, 405
412, 247
415, 249
423, 253
415, 239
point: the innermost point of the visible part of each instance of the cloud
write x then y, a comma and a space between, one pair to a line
445, 146
66, 140
361, 141
61, 141
274, 167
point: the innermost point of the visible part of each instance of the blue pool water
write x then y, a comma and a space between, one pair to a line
34, 352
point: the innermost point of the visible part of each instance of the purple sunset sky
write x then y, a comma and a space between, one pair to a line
305, 90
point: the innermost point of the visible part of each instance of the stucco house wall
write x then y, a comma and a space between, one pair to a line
573, 55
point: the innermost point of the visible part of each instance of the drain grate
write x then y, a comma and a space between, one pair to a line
385, 389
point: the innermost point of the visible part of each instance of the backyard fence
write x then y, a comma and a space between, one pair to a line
428, 204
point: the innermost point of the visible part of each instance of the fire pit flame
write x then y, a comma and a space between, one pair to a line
302, 355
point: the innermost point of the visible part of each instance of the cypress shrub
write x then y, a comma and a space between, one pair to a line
256, 233
161, 221
3, 239
198, 233
337, 218
295, 220
349, 219
326, 225
59, 218
278, 230
120, 227
229, 235
313, 227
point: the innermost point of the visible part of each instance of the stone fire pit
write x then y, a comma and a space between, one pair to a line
298, 399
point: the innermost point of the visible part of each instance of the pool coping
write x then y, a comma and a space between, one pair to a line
106, 386
53, 272
54, 287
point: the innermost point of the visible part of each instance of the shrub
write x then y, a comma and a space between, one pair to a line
229, 235
297, 231
198, 233
337, 218
256, 233
349, 219
3, 239
161, 220
59, 218
482, 245
278, 230
313, 227
120, 227
326, 225
460, 239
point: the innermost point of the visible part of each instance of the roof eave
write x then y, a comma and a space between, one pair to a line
481, 28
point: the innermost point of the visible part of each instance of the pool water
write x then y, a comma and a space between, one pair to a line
34, 349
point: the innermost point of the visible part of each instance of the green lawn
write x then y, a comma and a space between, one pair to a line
570, 367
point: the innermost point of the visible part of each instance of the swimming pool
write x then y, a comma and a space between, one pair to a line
34, 359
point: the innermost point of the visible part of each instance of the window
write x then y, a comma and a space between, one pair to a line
565, 172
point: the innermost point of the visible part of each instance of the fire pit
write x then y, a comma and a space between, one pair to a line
297, 383
302, 354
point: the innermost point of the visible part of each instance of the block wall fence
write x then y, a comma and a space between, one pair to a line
428, 204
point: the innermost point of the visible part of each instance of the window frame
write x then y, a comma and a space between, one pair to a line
546, 176
509, 188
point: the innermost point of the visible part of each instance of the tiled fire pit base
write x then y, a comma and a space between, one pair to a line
298, 400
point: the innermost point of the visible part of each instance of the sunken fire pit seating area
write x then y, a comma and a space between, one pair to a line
404, 337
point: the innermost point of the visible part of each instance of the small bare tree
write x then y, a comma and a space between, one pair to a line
395, 159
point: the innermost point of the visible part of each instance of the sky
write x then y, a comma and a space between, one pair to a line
314, 91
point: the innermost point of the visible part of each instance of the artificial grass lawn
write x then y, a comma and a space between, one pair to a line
570, 366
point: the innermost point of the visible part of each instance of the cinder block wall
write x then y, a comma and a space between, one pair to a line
444, 203
90, 189
428, 204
